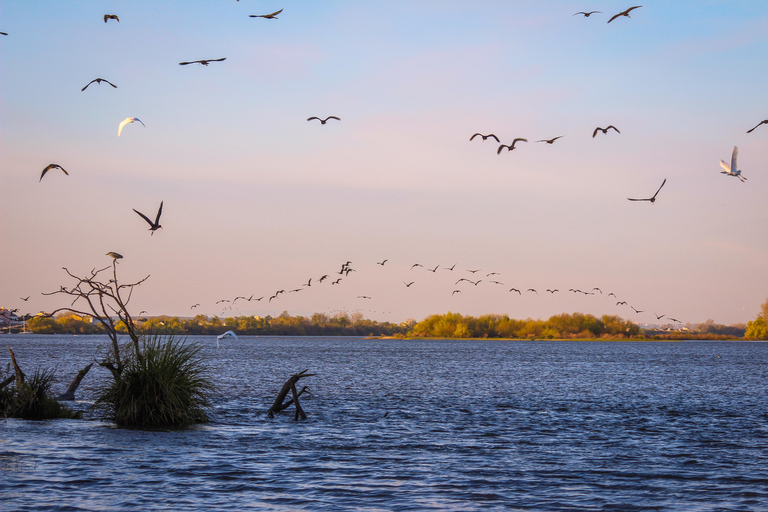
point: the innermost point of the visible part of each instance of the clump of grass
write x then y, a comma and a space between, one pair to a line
166, 386
31, 400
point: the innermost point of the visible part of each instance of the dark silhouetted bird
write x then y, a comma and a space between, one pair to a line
323, 121
203, 62
604, 130
515, 290
115, 255
758, 124
25, 299
381, 262
111, 17
588, 14
455, 292
272, 16
651, 199
624, 13
408, 285
484, 136
49, 167
153, 226
98, 81
511, 146
551, 141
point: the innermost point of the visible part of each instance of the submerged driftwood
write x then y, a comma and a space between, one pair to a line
70, 393
290, 385
19, 374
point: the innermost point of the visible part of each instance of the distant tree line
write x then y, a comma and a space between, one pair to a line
448, 325
757, 329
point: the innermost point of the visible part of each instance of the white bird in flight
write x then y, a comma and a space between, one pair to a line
126, 121
731, 169
228, 334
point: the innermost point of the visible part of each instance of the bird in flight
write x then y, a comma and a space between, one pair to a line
111, 17
416, 265
115, 255
408, 285
455, 292
515, 290
624, 13
49, 167
126, 121
25, 299
450, 268
604, 130
758, 124
731, 169
381, 262
511, 146
651, 199
322, 278
323, 121
637, 310
473, 271
588, 14
553, 291
363, 297
622, 302
658, 317
532, 290
4, 33
153, 226
193, 307
484, 136
98, 81
203, 62
673, 319
272, 16
551, 141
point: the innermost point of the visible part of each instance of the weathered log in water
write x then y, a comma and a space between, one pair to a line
290, 385
19, 374
70, 393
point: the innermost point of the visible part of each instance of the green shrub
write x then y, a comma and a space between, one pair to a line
167, 386
32, 400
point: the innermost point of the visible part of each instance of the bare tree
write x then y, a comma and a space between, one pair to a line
103, 301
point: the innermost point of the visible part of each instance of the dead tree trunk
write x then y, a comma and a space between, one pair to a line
19, 374
290, 385
70, 393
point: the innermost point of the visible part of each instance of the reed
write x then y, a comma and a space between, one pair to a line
166, 387
32, 400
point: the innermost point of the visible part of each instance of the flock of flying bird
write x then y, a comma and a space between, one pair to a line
730, 169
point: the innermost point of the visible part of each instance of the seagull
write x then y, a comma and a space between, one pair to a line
604, 130
622, 302
673, 319
193, 307
433, 270
532, 290
492, 274
473, 271
454, 292
228, 334
408, 285
552, 141
111, 17
515, 290
496, 282
598, 289
381, 262
637, 310
758, 124
553, 291
98, 81
153, 226
49, 167
462, 279
730, 169
588, 14
450, 268
416, 265
511, 146
624, 13
203, 62
658, 317
484, 136
323, 121
25, 300
126, 121
115, 255
651, 199
272, 16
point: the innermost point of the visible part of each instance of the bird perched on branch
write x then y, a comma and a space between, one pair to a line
128, 120
203, 62
323, 121
624, 13
153, 226
49, 167
115, 255
98, 81
272, 16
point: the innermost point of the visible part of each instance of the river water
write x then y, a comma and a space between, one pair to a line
415, 425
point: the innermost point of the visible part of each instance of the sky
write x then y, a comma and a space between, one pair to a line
258, 199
